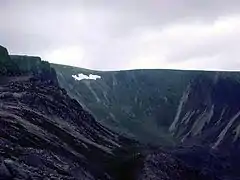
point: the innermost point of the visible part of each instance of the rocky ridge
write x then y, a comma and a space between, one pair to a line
45, 133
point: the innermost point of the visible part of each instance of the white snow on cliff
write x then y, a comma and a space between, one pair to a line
82, 76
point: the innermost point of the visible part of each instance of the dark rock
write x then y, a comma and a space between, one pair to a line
209, 112
163, 166
3, 52
16, 170
4, 172
33, 160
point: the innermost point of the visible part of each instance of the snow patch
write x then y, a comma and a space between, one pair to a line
82, 76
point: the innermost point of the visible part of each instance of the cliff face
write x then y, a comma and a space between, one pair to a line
6, 65
4, 53
207, 125
209, 112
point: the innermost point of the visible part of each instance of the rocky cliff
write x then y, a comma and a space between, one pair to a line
207, 125
208, 111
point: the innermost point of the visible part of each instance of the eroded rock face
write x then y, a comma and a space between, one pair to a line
207, 124
209, 112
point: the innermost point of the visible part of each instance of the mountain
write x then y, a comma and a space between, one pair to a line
196, 111
138, 103
57, 124
45, 134
144, 103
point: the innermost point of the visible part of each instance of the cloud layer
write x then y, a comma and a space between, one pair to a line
110, 35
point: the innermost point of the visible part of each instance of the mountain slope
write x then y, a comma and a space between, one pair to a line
45, 133
209, 111
138, 103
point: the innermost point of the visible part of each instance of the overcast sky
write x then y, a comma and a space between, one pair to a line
125, 34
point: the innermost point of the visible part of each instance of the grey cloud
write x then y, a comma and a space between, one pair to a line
20, 43
108, 30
